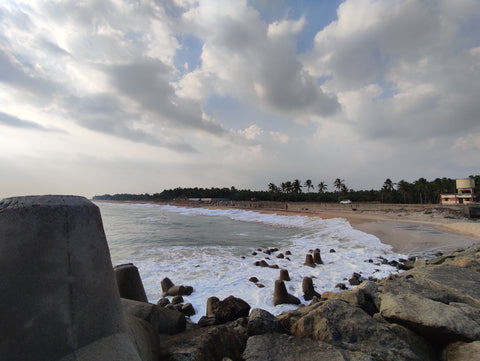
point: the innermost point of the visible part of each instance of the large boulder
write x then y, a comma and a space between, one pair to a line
129, 283
461, 351
281, 347
58, 294
434, 320
348, 327
219, 342
261, 322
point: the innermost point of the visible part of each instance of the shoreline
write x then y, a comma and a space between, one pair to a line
409, 229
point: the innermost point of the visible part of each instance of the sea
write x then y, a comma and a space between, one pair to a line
215, 251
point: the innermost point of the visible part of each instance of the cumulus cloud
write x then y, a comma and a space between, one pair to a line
401, 68
252, 60
15, 122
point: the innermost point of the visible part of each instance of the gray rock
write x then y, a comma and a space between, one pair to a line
261, 321
188, 310
129, 283
144, 337
432, 319
461, 351
59, 297
280, 347
342, 325
143, 310
171, 322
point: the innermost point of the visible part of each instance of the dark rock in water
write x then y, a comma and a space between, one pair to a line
254, 253
129, 282
211, 301
281, 296
230, 309
263, 263
284, 276
175, 291
317, 259
332, 250
274, 266
308, 289
177, 299
162, 302
166, 284
188, 310
309, 261
261, 322
355, 280
188, 290
267, 251
58, 294
280, 255
253, 279
288, 253
341, 286
259, 285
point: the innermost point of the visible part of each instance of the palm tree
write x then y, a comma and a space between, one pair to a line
422, 186
388, 185
403, 187
297, 186
339, 184
272, 188
288, 186
308, 184
322, 187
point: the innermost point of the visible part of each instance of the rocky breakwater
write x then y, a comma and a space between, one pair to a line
61, 301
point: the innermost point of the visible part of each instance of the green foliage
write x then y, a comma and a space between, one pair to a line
419, 191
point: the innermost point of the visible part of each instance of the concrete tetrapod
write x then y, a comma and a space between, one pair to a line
59, 298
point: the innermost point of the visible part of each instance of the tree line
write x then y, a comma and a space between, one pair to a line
420, 191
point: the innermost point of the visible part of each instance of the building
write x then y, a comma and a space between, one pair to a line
465, 192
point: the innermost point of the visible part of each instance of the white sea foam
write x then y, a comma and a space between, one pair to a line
224, 269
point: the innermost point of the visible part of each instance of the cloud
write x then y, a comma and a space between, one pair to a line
402, 68
251, 60
15, 122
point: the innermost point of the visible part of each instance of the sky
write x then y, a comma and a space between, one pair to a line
137, 96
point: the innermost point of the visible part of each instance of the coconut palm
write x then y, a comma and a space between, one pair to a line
322, 187
339, 184
272, 187
297, 186
308, 184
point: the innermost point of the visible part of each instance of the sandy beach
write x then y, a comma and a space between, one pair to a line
409, 229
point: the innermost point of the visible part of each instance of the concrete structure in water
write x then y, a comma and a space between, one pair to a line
58, 298
465, 192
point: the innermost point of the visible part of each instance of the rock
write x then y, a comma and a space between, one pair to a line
308, 290
281, 296
129, 282
461, 351
205, 321
59, 298
355, 279
166, 284
230, 309
317, 259
345, 326
309, 261
177, 299
188, 310
332, 250
188, 290
288, 253
259, 285
170, 322
253, 279
434, 320
143, 310
261, 321
280, 255
284, 276
217, 342
280, 347
263, 263
144, 338
175, 291
341, 286
162, 302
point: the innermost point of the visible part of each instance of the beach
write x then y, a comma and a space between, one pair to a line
409, 229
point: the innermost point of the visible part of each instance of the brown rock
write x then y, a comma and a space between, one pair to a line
309, 261
281, 296
308, 290
284, 276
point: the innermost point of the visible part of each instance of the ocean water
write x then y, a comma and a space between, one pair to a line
212, 251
